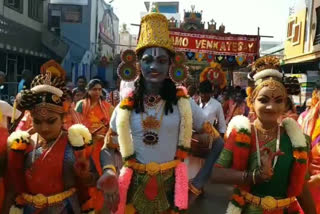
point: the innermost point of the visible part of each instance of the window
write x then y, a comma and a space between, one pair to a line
296, 34
290, 28
35, 10
54, 20
317, 37
72, 13
15, 5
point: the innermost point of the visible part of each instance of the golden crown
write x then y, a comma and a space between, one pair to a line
154, 32
267, 62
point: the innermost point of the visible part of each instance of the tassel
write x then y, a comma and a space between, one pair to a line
181, 186
13, 117
124, 183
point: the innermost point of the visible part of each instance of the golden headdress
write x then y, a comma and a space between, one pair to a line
154, 32
268, 66
214, 74
47, 90
265, 73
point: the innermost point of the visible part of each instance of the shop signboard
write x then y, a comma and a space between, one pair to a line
216, 44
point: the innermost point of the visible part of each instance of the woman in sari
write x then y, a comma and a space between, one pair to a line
46, 172
95, 113
70, 117
311, 126
266, 160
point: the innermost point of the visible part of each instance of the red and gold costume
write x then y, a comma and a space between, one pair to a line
47, 175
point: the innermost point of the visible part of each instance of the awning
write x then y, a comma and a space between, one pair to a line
21, 39
73, 2
303, 58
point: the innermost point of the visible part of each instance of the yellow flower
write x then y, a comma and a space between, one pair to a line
243, 138
300, 155
127, 102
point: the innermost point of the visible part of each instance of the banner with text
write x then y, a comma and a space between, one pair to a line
215, 44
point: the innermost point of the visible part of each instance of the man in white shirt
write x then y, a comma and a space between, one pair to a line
214, 113
211, 107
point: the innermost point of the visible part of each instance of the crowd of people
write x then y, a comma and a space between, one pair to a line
128, 151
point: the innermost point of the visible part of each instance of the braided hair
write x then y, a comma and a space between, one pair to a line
29, 98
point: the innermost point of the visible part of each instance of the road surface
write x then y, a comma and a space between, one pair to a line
214, 200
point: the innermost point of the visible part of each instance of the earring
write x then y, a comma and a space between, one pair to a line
127, 69
178, 71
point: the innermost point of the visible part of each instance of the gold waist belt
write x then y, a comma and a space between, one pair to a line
268, 202
152, 168
41, 201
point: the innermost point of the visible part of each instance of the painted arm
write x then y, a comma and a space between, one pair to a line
108, 181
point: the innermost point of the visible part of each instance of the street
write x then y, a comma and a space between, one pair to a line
214, 200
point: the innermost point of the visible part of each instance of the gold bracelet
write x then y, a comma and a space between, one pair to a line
109, 166
254, 176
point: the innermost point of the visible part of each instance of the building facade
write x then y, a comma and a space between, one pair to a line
302, 46
21, 23
127, 40
90, 30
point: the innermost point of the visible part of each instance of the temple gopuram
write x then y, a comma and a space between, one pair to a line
204, 43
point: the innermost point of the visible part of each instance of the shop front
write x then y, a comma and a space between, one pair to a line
20, 49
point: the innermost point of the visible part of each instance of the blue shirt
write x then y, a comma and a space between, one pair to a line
21, 84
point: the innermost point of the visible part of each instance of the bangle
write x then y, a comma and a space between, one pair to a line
194, 189
109, 166
245, 176
254, 176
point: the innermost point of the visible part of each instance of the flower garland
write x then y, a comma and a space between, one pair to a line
79, 135
123, 126
239, 131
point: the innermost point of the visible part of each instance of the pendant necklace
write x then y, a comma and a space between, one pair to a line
258, 147
151, 101
151, 126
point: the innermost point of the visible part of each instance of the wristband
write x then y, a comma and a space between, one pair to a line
112, 167
254, 176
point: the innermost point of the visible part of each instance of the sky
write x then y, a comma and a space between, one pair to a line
238, 16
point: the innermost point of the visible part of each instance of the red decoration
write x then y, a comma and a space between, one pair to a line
16, 171
215, 44
151, 189
297, 178
45, 175
240, 153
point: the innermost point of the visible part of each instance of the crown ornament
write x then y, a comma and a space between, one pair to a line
154, 32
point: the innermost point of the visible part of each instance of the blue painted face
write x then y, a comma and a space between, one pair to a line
155, 63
